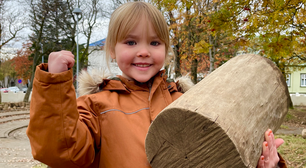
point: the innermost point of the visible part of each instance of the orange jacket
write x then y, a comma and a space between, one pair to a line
105, 129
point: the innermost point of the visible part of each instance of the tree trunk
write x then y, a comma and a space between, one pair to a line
177, 59
177, 63
211, 56
194, 70
29, 90
221, 121
37, 55
35, 63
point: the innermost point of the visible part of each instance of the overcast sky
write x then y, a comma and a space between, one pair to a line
99, 32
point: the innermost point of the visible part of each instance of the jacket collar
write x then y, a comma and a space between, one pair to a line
130, 85
97, 81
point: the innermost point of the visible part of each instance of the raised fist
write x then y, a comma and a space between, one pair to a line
60, 61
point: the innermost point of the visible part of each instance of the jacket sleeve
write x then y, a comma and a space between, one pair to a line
61, 133
282, 162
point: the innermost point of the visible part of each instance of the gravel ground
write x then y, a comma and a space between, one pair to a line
15, 151
291, 130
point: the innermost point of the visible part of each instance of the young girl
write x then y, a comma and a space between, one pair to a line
108, 126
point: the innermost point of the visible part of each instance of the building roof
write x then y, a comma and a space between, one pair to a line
99, 43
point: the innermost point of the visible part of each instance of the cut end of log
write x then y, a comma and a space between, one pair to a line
179, 138
220, 122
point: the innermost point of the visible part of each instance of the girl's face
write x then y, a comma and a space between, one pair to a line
142, 54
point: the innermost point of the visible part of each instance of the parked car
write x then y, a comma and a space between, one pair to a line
4, 90
24, 89
14, 89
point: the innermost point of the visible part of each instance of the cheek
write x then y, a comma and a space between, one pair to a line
124, 58
161, 58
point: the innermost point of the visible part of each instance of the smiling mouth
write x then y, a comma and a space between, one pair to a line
142, 65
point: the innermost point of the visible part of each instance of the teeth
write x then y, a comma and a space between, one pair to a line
141, 65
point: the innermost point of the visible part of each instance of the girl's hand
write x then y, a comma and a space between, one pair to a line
269, 157
60, 61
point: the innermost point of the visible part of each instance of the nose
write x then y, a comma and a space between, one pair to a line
143, 51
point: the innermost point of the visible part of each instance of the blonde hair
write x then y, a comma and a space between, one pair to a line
127, 16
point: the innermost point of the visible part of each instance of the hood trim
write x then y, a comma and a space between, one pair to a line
90, 83
184, 83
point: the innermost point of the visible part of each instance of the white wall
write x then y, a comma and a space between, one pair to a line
97, 60
12, 97
298, 99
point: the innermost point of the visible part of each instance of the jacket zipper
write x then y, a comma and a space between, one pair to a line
150, 86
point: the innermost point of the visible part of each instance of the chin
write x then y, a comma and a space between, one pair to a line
142, 80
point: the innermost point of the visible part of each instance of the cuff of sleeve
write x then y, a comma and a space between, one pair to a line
282, 162
42, 75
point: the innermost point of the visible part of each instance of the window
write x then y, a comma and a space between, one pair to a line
303, 79
288, 79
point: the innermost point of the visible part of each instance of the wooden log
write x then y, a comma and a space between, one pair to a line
221, 121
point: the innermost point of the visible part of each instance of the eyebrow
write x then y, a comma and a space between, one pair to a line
135, 36
154, 37
131, 36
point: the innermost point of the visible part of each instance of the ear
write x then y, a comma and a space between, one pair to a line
113, 55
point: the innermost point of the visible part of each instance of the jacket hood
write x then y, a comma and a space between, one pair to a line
90, 83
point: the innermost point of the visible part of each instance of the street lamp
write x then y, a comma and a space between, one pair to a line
42, 52
77, 12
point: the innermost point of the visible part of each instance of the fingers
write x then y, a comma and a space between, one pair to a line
278, 142
70, 58
270, 146
273, 152
60, 61
70, 61
67, 53
269, 138
269, 157
261, 162
265, 151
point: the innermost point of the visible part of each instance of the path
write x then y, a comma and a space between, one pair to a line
293, 130
15, 150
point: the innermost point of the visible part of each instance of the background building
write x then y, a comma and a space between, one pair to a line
296, 81
97, 59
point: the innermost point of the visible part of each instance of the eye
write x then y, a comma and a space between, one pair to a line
154, 43
131, 43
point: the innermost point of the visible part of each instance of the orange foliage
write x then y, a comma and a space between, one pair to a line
22, 64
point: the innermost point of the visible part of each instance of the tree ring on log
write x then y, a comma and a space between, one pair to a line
189, 140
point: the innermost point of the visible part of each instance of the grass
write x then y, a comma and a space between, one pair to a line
293, 150
289, 116
284, 127
41, 165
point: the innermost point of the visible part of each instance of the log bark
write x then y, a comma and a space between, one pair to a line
221, 121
